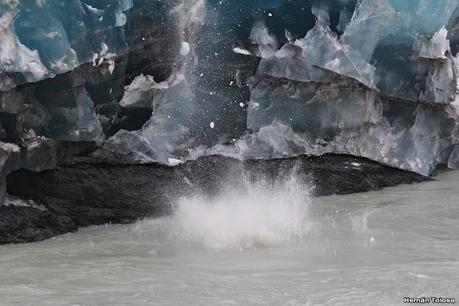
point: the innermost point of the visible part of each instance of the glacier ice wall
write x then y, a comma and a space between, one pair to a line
384, 87
43, 38
374, 78
63, 68
143, 81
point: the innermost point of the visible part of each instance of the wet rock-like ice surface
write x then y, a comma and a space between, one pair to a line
254, 246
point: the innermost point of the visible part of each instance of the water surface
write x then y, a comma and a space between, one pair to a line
263, 245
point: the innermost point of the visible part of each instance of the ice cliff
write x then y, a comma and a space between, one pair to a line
164, 80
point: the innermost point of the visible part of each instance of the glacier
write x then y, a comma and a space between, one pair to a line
139, 81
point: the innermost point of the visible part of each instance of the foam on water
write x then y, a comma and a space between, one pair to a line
256, 214
360, 224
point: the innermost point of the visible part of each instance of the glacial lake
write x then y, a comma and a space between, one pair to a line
258, 246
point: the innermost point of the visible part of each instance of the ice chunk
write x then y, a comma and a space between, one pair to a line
141, 91
132, 145
241, 51
440, 82
267, 44
455, 102
369, 24
437, 47
453, 161
39, 153
10, 160
174, 161
15, 57
16, 201
184, 48
308, 59
293, 117
168, 130
322, 111
43, 38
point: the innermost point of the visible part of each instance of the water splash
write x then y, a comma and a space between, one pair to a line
360, 224
257, 214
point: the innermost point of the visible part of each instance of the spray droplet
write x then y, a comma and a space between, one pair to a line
212, 125
184, 49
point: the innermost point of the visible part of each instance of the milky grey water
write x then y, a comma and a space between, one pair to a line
259, 246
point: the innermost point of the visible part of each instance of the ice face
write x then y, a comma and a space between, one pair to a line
399, 58
168, 80
63, 69
308, 59
43, 38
